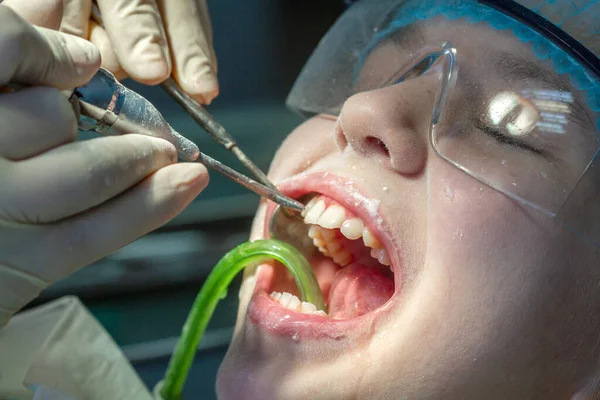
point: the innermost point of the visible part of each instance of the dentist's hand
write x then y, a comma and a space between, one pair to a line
145, 39
66, 203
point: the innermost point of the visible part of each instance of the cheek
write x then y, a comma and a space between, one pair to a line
502, 274
473, 223
487, 255
497, 262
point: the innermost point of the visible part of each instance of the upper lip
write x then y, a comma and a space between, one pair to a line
266, 314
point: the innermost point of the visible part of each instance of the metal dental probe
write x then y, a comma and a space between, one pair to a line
216, 130
264, 187
248, 183
220, 135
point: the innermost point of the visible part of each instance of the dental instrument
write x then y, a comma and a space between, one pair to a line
108, 107
105, 106
214, 129
290, 228
221, 136
207, 122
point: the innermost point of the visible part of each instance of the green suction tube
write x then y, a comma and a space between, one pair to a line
215, 289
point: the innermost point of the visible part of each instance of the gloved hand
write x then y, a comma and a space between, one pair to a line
63, 203
145, 39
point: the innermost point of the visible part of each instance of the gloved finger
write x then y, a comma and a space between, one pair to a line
44, 13
35, 120
136, 32
73, 243
40, 56
207, 27
78, 176
76, 18
190, 39
110, 61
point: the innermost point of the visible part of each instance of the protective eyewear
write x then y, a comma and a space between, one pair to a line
512, 109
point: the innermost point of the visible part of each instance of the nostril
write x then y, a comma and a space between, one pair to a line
376, 144
340, 139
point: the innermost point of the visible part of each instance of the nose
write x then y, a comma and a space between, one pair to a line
391, 123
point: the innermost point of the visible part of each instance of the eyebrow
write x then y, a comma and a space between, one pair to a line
513, 67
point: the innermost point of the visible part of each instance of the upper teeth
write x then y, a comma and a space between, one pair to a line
332, 217
352, 228
325, 220
313, 211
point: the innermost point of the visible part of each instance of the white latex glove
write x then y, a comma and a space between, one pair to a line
147, 39
67, 203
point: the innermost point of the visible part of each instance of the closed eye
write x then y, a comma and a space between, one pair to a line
504, 138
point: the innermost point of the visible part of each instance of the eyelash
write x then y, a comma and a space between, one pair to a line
504, 139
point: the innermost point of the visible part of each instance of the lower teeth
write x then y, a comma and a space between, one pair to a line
291, 302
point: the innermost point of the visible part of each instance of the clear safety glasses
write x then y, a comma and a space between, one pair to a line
511, 109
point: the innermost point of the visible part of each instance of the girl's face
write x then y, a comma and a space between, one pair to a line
485, 298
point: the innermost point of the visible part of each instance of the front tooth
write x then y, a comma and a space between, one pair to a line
345, 260
333, 217
334, 246
285, 299
308, 308
323, 249
314, 232
310, 205
352, 228
370, 240
327, 234
320, 313
342, 257
293, 304
382, 256
318, 242
312, 216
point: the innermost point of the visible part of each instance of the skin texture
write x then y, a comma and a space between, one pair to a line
497, 300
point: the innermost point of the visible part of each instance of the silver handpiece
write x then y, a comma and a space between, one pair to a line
105, 106
109, 108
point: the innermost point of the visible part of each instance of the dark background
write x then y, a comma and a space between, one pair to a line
142, 293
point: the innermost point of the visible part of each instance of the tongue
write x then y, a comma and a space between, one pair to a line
358, 289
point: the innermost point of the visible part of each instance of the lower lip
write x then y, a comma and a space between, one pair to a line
269, 315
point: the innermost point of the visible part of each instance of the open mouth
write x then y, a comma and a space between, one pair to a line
356, 264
